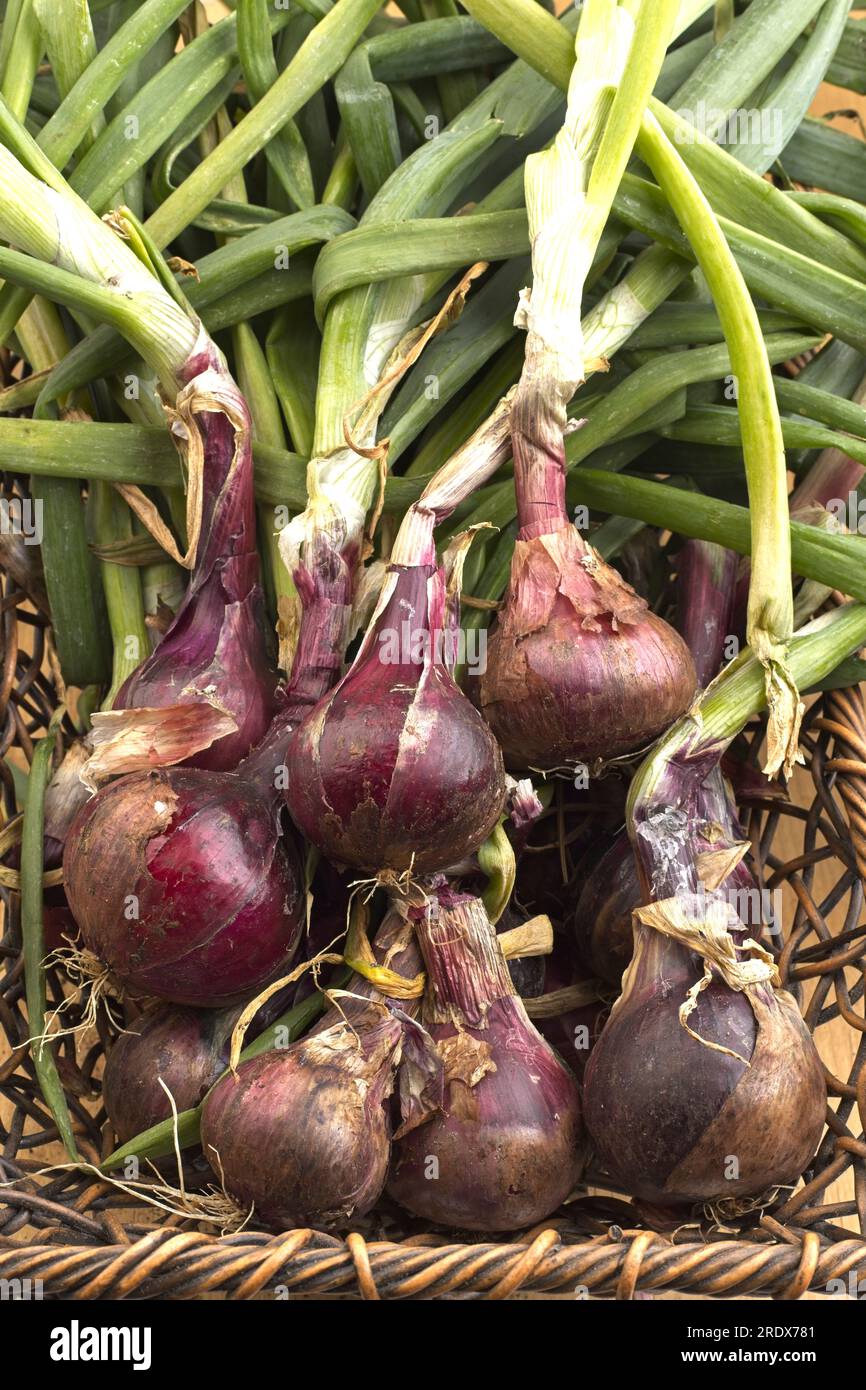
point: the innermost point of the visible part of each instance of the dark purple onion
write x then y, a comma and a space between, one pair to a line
183, 884
303, 1135
503, 1152
723, 1099
186, 1048
394, 769
578, 668
678, 1122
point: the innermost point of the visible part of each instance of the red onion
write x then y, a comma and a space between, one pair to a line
676, 1119
184, 886
303, 1135
504, 1150
705, 1083
186, 1048
394, 769
181, 879
210, 678
578, 668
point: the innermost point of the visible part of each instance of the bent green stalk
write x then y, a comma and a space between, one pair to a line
770, 618
732, 699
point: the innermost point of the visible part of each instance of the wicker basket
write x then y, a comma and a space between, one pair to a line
86, 1240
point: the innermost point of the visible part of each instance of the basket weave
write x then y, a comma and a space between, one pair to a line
83, 1239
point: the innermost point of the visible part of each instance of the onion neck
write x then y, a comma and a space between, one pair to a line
706, 585
466, 970
539, 463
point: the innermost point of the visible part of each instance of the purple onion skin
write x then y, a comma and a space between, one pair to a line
182, 883
216, 643
564, 694
668, 1114
187, 1048
515, 1156
706, 584
303, 1135
217, 640
394, 769
506, 1142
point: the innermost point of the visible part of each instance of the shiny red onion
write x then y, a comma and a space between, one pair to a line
394, 769
184, 885
503, 1152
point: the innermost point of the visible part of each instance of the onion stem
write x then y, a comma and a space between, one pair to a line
771, 606
321, 54
739, 693
34, 942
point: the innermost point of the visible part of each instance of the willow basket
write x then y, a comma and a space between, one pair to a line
84, 1239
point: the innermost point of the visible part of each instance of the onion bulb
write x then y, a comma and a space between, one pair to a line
703, 1085
504, 1151
394, 769
183, 884
303, 1135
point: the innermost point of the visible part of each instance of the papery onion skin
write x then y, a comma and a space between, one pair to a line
679, 1123
602, 917
302, 1135
184, 886
216, 650
218, 645
578, 668
394, 769
506, 1149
